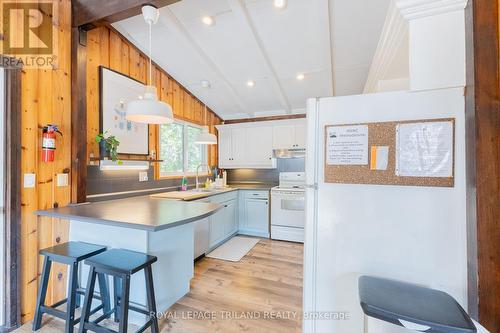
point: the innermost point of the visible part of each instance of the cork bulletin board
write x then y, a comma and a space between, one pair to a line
384, 134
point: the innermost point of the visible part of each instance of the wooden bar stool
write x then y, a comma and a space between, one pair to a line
71, 253
120, 264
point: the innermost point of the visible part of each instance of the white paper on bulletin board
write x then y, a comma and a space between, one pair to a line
347, 145
424, 149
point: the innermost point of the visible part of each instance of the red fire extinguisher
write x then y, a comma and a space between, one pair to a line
49, 142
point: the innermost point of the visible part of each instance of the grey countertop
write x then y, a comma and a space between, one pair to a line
144, 213
252, 186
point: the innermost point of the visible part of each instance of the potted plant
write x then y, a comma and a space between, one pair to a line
108, 146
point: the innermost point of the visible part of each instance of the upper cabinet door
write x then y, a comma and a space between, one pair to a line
225, 151
283, 136
238, 146
300, 136
260, 146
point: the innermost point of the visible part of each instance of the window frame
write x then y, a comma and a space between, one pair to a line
177, 175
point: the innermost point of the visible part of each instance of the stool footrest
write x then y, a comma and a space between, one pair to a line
53, 312
97, 308
144, 327
96, 328
135, 308
58, 304
104, 316
97, 296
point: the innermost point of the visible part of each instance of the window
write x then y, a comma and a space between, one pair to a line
178, 151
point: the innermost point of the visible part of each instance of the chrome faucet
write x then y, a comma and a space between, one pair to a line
197, 172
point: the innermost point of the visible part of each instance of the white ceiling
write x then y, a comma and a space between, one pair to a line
252, 40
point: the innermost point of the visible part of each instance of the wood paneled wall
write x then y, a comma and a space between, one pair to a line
106, 47
45, 99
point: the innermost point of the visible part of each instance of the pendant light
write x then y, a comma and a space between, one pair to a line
148, 109
205, 137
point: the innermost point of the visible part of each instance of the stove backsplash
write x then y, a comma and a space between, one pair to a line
270, 176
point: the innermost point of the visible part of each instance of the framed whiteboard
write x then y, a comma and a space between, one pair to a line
116, 90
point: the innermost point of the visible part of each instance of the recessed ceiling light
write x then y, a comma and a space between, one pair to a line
206, 84
301, 77
280, 4
208, 20
251, 83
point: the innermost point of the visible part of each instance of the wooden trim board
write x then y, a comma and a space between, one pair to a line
383, 134
12, 200
483, 158
271, 118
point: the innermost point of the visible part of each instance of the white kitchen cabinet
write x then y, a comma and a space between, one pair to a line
246, 148
259, 147
232, 146
238, 145
300, 135
283, 136
231, 218
254, 213
225, 151
251, 145
217, 227
224, 223
291, 136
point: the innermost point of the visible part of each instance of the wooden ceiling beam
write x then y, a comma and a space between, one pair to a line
240, 11
98, 12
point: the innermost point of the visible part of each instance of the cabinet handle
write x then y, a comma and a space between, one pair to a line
225, 206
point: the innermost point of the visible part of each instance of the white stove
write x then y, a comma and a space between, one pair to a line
288, 207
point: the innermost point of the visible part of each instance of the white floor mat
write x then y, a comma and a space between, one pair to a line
234, 249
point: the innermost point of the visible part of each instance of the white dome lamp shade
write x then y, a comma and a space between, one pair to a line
148, 109
206, 138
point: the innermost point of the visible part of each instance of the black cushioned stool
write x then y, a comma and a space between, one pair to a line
71, 253
120, 264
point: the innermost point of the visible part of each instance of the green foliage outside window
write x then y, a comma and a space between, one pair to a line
178, 151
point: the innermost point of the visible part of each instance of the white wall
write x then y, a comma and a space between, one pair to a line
409, 233
441, 63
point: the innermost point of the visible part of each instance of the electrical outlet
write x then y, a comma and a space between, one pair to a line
143, 176
29, 180
62, 179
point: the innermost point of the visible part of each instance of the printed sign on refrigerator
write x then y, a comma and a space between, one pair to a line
347, 145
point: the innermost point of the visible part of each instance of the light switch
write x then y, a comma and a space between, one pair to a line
62, 179
29, 180
143, 176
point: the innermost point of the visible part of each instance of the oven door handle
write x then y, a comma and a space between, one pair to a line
283, 196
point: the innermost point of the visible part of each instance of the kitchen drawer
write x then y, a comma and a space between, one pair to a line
233, 195
256, 194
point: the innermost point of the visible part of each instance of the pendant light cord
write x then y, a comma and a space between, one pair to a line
150, 47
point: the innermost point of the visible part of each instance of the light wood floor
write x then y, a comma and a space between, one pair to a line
261, 293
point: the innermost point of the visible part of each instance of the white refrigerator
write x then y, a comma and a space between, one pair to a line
408, 233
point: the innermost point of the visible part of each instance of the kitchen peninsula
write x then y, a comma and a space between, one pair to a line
159, 227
